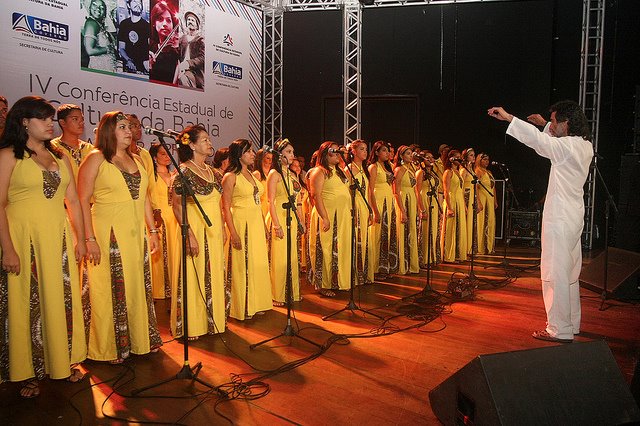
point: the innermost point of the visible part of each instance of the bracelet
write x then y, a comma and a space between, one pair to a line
277, 227
90, 239
153, 231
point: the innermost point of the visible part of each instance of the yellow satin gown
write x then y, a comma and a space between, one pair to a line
278, 246
165, 261
123, 319
453, 238
206, 294
249, 266
427, 184
382, 236
469, 194
407, 232
330, 251
487, 217
363, 246
40, 309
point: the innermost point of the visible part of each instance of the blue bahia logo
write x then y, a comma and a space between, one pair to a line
40, 27
227, 70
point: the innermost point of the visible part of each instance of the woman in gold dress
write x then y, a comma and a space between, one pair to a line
404, 191
165, 261
123, 319
453, 239
330, 247
261, 167
428, 182
277, 190
248, 264
487, 216
358, 165
40, 303
207, 299
382, 232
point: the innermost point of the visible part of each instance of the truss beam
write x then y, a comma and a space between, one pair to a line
590, 87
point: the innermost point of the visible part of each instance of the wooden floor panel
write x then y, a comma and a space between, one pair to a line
367, 379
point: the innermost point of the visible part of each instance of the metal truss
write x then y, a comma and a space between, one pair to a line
352, 46
302, 5
590, 84
272, 76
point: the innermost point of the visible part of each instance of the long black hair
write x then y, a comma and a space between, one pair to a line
373, 155
236, 149
15, 133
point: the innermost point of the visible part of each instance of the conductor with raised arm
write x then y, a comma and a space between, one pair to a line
566, 141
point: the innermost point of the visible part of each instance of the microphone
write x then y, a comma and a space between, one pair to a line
418, 156
340, 151
495, 163
168, 133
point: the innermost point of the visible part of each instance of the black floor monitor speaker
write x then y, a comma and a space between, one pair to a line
623, 274
569, 384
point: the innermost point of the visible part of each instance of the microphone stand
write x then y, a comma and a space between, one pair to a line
609, 202
434, 181
474, 237
186, 372
290, 207
351, 304
510, 195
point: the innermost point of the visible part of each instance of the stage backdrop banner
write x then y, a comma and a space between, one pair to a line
171, 62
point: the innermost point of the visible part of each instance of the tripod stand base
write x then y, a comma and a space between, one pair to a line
351, 306
185, 373
288, 331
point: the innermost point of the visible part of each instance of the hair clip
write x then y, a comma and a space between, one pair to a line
185, 139
121, 116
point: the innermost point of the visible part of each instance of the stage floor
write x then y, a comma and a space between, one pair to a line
371, 371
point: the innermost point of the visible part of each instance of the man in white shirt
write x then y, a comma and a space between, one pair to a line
565, 141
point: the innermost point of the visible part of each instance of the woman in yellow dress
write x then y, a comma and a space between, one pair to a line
123, 319
428, 182
404, 191
165, 261
358, 165
331, 222
40, 303
248, 264
261, 167
382, 232
206, 294
453, 239
487, 216
469, 191
277, 224
302, 204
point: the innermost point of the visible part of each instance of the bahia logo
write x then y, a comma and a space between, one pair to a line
228, 40
40, 27
227, 70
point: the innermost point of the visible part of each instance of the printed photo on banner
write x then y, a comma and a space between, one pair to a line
177, 50
133, 36
98, 35
158, 40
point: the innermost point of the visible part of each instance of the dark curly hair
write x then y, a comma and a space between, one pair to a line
570, 111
